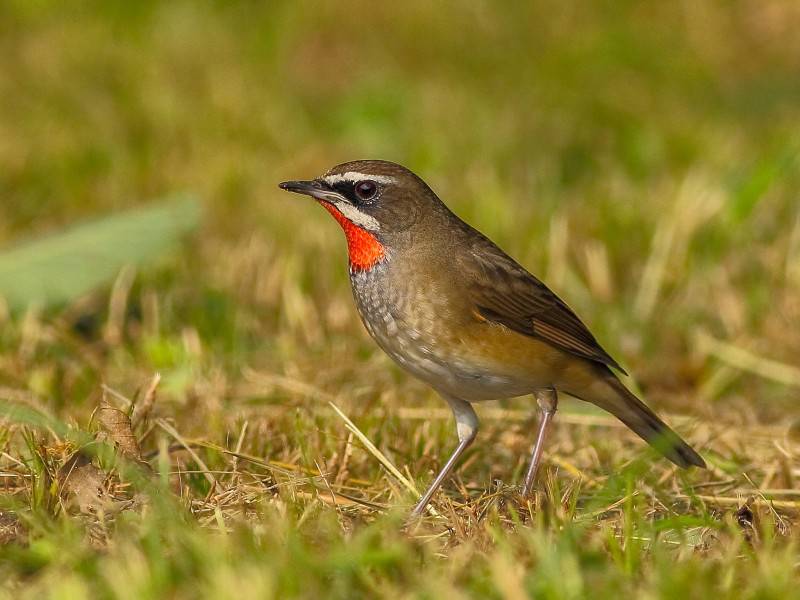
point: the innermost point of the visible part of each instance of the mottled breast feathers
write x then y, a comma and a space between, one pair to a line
504, 292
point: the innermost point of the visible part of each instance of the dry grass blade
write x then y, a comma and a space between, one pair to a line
338, 499
697, 201
747, 361
118, 305
793, 255
405, 482
174, 433
656, 267
143, 410
737, 501
270, 381
277, 466
558, 250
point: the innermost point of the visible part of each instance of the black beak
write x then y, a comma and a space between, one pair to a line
315, 188
309, 188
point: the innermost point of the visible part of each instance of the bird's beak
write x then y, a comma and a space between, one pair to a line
315, 188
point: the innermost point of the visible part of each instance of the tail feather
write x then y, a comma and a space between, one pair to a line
624, 405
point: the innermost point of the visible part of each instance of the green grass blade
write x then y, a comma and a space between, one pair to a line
61, 267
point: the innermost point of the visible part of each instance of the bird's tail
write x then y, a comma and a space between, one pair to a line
624, 405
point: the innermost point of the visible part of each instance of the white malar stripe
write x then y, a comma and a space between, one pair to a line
357, 217
353, 177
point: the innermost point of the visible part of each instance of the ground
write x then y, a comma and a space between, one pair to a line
212, 421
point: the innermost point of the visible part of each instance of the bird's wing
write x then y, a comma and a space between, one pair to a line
504, 292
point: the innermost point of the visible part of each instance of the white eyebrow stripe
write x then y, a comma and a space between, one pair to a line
354, 176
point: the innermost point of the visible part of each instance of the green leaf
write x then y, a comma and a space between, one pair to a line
63, 266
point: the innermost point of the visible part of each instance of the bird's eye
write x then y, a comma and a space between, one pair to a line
366, 189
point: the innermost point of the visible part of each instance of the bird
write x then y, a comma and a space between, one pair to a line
457, 312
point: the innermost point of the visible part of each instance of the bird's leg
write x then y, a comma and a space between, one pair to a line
467, 427
548, 403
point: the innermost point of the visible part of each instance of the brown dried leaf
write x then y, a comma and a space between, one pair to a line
82, 483
117, 425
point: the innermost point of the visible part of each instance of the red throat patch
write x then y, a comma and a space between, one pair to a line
364, 248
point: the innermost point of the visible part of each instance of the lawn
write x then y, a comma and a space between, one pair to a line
192, 407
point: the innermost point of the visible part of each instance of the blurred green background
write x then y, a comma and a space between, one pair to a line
641, 157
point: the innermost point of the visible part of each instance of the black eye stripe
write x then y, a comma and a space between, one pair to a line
345, 188
350, 190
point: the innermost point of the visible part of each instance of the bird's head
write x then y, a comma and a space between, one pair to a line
377, 203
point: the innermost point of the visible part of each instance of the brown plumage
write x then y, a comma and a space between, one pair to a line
456, 311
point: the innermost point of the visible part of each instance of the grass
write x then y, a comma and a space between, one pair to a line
642, 158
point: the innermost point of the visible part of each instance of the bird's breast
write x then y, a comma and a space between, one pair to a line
417, 322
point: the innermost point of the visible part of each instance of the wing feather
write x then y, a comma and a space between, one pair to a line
504, 292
